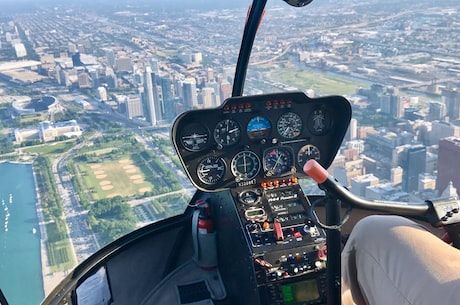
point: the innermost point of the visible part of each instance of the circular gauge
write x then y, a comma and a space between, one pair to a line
194, 137
211, 170
277, 161
245, 165
249, 197
227, 132
259, 127
319, 122
289, 125
306, 153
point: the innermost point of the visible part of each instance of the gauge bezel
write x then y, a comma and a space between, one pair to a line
289, 117
270, 169
302, 152
194, 127
248, 174
215, 160
259, 133
230, 140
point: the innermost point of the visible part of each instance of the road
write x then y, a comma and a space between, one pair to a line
84, 242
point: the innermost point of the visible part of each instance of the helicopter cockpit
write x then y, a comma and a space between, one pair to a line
249, 235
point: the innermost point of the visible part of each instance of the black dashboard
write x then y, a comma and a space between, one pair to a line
259, 140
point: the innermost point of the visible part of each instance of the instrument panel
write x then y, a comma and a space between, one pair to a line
258, 139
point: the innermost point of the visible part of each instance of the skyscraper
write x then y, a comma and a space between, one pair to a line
153, 97
451, 97
189, 93
413, 164
437, 111
448, 163
168, 98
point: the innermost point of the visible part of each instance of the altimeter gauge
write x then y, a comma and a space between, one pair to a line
289, 125
306, 153
245, 165
227, 132
211, 170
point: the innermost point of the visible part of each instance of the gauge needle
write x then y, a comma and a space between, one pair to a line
233, 130
286, 131
277, 161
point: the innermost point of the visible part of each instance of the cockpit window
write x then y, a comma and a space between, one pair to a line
89, 92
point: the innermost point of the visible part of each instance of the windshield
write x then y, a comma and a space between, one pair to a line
89, 90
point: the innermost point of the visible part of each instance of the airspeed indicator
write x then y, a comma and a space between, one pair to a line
289, 125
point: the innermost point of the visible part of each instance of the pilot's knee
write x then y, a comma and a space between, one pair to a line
375, 227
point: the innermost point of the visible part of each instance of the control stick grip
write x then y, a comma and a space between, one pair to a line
313, 169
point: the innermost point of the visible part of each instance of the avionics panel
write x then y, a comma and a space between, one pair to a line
252, 140
288, 249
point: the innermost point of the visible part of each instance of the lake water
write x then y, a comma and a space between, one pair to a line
20, 263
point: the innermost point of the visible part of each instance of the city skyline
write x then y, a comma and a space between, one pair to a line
125, 72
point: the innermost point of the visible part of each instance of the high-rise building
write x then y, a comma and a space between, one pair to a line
413, 164
154, 65
437, 111
110, 57
216, 87
441, 129
102, 94
225, 91
448, 163
168, 98
111, 78
84, 80
208, 97
352, 132
153, 98
133, 106
189, 93
451, 98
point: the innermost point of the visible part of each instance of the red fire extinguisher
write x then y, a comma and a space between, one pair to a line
204, 237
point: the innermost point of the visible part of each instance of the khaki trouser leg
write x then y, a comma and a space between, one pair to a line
390, 260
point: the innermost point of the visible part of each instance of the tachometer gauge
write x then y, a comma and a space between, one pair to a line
211, 170
306, 153
245, 165
227, 132
259, 127
289, 125
319, 122
194, 137
278, 161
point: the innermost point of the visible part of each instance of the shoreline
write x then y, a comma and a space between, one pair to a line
49, 279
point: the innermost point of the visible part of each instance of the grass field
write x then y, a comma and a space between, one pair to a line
51, 148
112, 178
323, 84
59, 251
